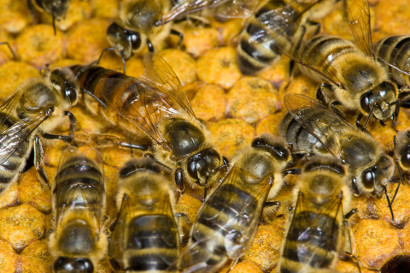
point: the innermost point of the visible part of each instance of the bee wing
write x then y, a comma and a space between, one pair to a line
237, 8
306, 229
325, 127
12, 139
357, 15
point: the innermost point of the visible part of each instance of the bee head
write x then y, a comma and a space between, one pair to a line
67, 265
126, 41
274, 147
58, 8
63, 79
380, 100
144, 14
203, 164
375, 178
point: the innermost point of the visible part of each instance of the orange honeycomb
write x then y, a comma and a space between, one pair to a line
236, 109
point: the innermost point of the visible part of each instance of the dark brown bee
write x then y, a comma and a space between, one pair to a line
316, 230
157, 105
227, 221
56, 8
37, 107
312, 128
262, 40
145, 236
78, 240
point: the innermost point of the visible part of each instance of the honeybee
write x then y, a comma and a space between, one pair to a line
145, 236
312, 128
137, 27
157, 105
358, 82
224, 9
317, 229
37, 107
402, 150
78, 239
227, 221
395, 52
56, 8
262, 39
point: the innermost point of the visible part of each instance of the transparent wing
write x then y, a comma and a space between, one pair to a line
12, 139
318, 120
313, 232
357, 15
237, 8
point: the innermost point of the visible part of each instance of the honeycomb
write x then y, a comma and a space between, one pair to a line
235, 107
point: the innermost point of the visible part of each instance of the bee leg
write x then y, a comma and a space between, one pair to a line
270, 208
358, 122
184, 232
389, 204
64, 138
11, 50
179, 34
179, 179
102, 53
73, 123
150, 46
38, 160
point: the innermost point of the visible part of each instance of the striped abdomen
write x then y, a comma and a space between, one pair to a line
301, 137
222, 228
12, 163
308, 247
78, 201
395, 50
347, 65
260, 43
151, 244
140, 101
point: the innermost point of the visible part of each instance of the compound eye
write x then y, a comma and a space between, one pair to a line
203, 163
276, 150
192, 169
66, 265
70, 92
135, 40
368, 178
405, 158
365, 101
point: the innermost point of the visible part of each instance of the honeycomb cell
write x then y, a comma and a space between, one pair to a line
182, 64
252, 99
21, 225
8, 257
209, 103
199, 40
35, 258
38, 45
219, 66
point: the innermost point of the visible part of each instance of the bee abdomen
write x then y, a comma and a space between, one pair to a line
77, 238
152, 243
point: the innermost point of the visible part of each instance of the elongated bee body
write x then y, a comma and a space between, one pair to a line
312, 128
37, 107
145, 236
315, 232
157, 105
395, 50
263, 39
227, 221
78, 240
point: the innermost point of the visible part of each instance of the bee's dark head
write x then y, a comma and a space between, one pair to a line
203, 164
73, 265
375, 178
63, 79
276, 148
381, 99
142, 15
125, 40
57, 8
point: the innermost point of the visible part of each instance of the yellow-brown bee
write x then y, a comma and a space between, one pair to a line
56, 8
145, 236
157, 105
78, 239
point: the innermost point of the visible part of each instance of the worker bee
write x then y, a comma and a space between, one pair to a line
56, 8
78, 239
262, 41
145, 236
395, 52
358, 82
37, 107
402, 150
137, 27
157, 105
312, 128
227, 221
317, 228
223, 9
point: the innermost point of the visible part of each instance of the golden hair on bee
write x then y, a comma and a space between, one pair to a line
78, 240
145, 235
228, 220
